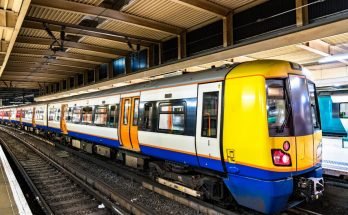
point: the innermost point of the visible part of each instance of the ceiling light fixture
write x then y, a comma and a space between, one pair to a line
333, 58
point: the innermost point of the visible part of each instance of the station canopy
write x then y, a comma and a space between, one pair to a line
58, 48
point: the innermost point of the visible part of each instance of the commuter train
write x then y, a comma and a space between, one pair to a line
249, 132
334, 113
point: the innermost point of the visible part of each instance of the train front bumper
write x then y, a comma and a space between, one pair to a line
272, 196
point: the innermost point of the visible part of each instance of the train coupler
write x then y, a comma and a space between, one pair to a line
310, 188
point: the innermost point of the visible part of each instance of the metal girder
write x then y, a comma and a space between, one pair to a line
321, 48
46, 67
34, 73
70, 44
29, 78
48, 70
109, 14
206, 6
36, 23
78, 57
58, 62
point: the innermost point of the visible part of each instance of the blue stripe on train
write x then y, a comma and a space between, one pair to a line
95, 139
182, 158
43, 127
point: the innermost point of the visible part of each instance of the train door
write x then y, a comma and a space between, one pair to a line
303, 126
63, 114
33, 118
128, 125
208, 126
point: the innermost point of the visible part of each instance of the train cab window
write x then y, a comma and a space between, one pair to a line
314, 105
277, 106
148, 116
136, 112
126, 111
210, 114
113, 116
51, 114
101, 116
87, 113
343, 110
76, 116
171, 117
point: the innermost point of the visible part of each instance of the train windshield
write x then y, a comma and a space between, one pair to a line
289, 103
278, 108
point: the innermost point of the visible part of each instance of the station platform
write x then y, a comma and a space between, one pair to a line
335, 157
12, 200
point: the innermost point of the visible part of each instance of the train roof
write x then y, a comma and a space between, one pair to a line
267, 68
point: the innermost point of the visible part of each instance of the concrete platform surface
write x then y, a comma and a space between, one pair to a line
12, 200
335, 157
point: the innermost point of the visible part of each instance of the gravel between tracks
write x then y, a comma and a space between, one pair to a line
134, 190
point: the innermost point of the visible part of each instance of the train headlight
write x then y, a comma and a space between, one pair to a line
280, 158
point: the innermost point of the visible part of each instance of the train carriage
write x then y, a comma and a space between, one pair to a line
251, 131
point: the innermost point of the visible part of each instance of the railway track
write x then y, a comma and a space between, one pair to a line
61, 188
93, 163
59, 193
302, 211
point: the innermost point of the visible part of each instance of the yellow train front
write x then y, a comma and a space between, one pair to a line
271, 136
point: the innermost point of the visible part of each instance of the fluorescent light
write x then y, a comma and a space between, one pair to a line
333, 58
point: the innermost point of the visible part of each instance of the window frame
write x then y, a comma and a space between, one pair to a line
217, 114
92, 113
116, 115
144, 126
288, 129
172, 103
339, 110
107, 115
72, 116
49, 114
128, 111
136, 109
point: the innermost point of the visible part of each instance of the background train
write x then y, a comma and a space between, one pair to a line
251, 131
334, 113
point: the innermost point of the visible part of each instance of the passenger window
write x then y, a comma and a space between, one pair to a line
68, 114
113, 116
136, 112
101, 116
148, 114
51, 114
210, 114
172, 117
343, 110
126, 112
57, 115
87, 113
76, 116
